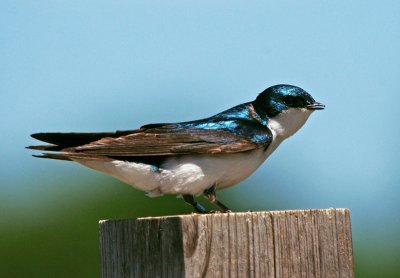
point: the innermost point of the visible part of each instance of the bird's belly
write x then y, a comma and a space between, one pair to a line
190, 174
223, 170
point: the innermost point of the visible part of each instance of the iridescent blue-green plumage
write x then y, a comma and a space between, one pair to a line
278, 98
238, 120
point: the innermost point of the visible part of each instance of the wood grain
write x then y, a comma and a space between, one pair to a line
301, 243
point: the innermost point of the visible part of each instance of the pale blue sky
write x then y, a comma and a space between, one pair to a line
101, 65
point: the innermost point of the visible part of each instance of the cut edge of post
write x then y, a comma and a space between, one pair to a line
327, 211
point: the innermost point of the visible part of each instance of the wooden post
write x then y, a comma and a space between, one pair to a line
299, 243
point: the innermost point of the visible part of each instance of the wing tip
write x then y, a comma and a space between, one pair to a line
37, 135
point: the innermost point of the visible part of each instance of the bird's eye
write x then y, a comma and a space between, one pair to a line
289, 101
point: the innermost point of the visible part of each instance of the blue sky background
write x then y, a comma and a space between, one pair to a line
102, 66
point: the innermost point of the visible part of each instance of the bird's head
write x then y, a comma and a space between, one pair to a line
279, 98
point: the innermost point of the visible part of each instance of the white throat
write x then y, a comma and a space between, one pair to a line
286, 123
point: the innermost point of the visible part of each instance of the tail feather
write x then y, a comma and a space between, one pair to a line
72, 156
59, 142
45, 148
54, 156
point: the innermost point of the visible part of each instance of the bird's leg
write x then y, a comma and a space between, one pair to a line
197, 206
211, 195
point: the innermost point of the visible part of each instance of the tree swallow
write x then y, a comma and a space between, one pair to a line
195, 157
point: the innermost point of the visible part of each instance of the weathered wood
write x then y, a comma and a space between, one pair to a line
302, 243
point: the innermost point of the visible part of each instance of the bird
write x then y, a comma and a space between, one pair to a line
190, 158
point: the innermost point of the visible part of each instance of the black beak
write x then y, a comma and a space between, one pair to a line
316, 106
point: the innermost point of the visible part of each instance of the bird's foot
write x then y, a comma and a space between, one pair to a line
211, 195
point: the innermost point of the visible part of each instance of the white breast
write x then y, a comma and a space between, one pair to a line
192, 174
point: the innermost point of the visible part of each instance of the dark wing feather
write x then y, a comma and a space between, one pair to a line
74, 139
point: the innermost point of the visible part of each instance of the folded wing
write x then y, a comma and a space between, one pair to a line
149, 141
167, 141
